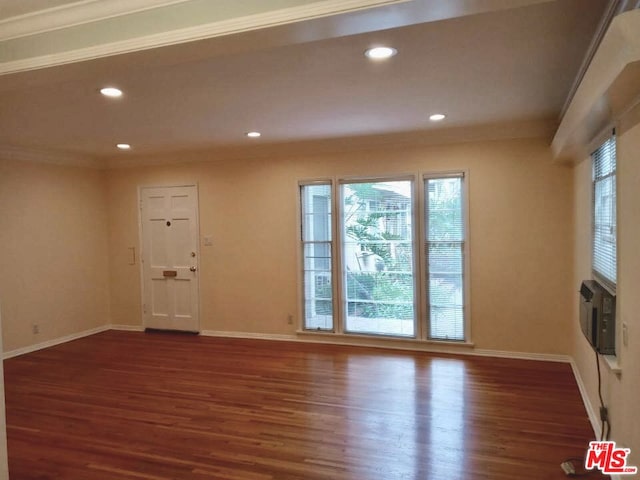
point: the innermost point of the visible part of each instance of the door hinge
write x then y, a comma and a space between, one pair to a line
144, 308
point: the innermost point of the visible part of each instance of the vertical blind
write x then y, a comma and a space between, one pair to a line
604, 213
445, 238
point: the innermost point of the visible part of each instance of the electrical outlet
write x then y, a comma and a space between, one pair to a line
35, 328
290, 319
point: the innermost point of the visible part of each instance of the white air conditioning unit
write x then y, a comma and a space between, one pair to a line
598, 317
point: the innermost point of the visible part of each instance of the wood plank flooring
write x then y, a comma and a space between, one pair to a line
156, 406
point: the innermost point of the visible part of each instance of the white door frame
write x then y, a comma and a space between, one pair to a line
141, 245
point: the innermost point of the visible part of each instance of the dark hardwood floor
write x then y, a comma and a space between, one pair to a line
124, 405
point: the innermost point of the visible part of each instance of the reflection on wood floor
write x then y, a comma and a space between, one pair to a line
126, 405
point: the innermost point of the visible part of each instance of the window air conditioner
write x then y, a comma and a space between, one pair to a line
598, 317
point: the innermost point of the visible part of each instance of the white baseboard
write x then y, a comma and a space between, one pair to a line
594, 418
55, 341
593, 415
356, 341
127, 328
313, 338
254, 336
361, 341
542, 357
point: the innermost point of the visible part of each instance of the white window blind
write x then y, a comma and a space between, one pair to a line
445, 248
317, 254
604, 213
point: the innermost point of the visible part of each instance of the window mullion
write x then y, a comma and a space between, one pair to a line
337, 261
421, 261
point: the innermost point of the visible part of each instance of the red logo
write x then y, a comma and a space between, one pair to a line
609, 459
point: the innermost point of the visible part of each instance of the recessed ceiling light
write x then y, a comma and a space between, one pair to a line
124, 146
380, 53
436, 117
111, 92
253, 134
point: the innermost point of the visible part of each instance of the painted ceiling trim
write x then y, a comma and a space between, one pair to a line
502, 131
225, 27
11, 152
615, 7
609, 89
74, 14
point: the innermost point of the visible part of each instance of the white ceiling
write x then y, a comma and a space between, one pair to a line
513, 65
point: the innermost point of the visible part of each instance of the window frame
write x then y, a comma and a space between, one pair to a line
342, 314
466, 263
600, 277
420, 270
301, 243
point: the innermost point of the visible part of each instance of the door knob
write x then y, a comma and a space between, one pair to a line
193, 269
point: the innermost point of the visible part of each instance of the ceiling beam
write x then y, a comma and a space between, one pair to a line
147, 28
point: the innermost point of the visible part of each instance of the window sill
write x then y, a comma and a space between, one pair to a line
384, 338
613, 364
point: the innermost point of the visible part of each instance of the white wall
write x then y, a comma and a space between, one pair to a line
621, 392
520, 236
54, 255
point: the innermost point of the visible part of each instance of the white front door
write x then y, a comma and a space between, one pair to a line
169, 224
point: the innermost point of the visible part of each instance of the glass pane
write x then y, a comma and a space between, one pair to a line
378, 258
444, 215
316, 212
317, 255
604, 225
445, 258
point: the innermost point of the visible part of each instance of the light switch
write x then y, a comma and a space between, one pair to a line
208, 241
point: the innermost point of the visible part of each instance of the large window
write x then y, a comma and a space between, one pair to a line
377, 257
367, 275
604, 213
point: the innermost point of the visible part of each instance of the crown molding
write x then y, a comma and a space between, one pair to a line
609, 90
12, 152
274, 18
540, 128
614, 8
74, 14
